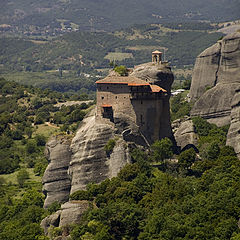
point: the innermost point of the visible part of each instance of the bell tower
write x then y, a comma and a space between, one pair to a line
157, 57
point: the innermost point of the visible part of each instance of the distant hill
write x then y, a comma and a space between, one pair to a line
85, 51
109, 15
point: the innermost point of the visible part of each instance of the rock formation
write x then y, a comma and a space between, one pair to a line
216, 84
233, 137
56, 181
216, 76
84, 159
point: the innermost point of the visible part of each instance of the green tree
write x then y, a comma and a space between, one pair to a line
31, 146
186, 158
22, 176
161, 150
109, 146
40, 140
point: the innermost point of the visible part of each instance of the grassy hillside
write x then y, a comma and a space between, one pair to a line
109, 15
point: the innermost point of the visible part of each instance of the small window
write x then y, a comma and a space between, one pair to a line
116, 97
141, 102
102, 97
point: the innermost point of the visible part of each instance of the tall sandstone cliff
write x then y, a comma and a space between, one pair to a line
75, 163
215, 86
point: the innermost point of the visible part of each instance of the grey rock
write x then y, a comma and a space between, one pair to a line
160, 75
72, 212
89, 160
52, 220
216, 76
184, 133
215, 104
233, 136
205, 69
56, 182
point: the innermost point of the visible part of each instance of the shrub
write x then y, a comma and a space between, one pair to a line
40, 140
122, 70
201, 126
80, 195
109, 146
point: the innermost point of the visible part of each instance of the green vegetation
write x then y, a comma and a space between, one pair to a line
161, 150
24, 130
152, 198
110, 146
180, 107
122, 70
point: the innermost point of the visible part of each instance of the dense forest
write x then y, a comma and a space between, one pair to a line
155, 197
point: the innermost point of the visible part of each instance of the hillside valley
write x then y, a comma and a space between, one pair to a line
60, 16
75, 60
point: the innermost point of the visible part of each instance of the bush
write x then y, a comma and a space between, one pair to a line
201, 126
109, 146
80, 195
122, 70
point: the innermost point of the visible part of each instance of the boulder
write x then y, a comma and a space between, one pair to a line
184, 133
72, 212
51, 220
215, 104
89, 162
158, 74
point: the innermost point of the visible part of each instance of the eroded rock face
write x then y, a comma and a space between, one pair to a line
71, 212
233, 137
89, 162
216, 76
56, 181
75, 163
